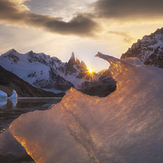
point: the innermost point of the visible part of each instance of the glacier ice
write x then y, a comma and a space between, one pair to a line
14, 98
3, 102
3, 95
124, 127
3, 98
14, 95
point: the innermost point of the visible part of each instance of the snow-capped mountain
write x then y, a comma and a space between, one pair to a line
149, 49
10, 82
42, 70
50, 73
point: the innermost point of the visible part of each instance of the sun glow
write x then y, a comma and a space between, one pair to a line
90, 70
90, 74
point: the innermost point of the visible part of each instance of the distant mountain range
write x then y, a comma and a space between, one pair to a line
149, 49
10, 82
38, 69
51, 74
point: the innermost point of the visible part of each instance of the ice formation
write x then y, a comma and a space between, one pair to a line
3, 102
124, 127
13, 98
14, 95
3, 95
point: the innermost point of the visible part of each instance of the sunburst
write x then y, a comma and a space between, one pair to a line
90, 70
90, 74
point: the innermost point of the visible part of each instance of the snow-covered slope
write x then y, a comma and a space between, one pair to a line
124, 127
10, 82
149, 49
38, 69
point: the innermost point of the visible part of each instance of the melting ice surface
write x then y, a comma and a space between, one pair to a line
124, 127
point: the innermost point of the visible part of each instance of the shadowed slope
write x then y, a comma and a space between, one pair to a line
9, 82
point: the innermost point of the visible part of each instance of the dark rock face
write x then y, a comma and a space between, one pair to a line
74, 65
100, 86
9, 82
71, 63
149, 49
156, 58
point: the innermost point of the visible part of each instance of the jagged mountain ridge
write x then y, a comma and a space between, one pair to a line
41, 70
74, 65
149, 49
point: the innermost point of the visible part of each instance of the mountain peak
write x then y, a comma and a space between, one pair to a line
12, 55
11, 51
31, 51
74, 65
149, 49
159, 31
72, 55
72, 58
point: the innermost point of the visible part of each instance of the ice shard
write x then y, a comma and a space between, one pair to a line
14, 95
124, 127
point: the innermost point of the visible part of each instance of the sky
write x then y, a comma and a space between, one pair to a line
58, 28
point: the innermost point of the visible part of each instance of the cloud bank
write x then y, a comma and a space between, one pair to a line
14, 12
19, 14
128, 9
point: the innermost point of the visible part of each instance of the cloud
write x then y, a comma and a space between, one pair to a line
19, 14
126, 37
129, 9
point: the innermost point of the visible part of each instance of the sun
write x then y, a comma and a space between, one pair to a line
90, 70
90, 74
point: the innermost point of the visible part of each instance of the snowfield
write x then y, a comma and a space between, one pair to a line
124, 127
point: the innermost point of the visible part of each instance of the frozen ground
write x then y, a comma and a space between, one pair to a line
124, 127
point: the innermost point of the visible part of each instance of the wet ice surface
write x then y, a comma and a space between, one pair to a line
10, 150
125, 127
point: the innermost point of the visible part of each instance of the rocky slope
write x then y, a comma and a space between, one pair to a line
149, 49
9, 82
